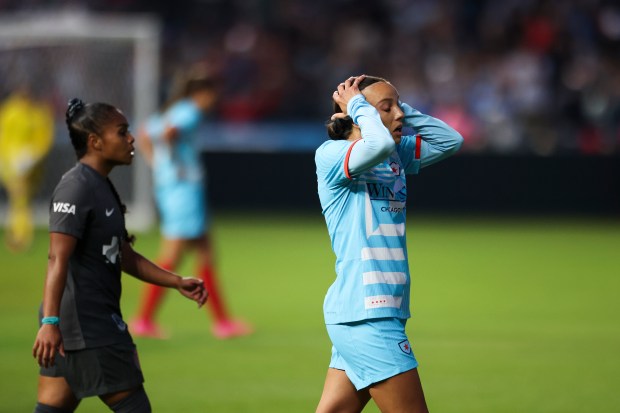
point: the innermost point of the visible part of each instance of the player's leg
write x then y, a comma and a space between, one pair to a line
339, 394
197, 203
223, 325
401, 393
206, 270
113, 373
20, 229
144, 325
128, 401
376, 355
55, 396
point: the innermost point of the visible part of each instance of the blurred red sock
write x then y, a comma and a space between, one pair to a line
214, 302
152, 298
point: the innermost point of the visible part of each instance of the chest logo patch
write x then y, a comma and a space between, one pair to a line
110, 212
111, 251
395, 167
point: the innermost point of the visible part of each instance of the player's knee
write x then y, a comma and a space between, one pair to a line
136, 402
46, 408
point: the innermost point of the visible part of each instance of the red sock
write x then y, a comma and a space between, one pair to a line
151, 298
214, 302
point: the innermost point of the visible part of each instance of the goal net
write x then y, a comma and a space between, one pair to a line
113, 59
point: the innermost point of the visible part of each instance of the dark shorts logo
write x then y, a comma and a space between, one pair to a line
119, 322
405, 346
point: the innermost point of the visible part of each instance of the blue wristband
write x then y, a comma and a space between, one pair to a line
50, 320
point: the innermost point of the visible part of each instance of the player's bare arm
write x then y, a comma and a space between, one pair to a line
142, 268
49, 340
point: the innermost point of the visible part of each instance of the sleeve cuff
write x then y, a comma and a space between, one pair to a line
353, 104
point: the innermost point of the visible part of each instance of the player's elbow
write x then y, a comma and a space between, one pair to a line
456, 141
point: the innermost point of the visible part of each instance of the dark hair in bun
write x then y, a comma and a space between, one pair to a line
73, 107
341, 128
86, 118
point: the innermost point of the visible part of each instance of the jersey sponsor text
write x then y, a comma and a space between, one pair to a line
64, 207
380, 191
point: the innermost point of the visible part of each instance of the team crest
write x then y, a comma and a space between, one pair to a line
405, 346
395, 168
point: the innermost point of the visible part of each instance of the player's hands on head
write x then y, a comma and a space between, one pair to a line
47, 344
345, 92
194, 289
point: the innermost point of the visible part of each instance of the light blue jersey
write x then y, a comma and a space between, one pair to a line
178, 161
178, 173
363, 192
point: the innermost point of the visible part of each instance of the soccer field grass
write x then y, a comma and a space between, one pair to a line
509, 315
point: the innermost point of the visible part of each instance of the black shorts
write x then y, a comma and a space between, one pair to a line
98, 371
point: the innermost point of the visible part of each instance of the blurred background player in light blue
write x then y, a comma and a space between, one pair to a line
26, 137
169, 142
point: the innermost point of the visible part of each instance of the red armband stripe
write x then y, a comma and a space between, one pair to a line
346, 159
418, 146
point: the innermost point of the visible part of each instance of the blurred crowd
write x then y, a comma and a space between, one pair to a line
513, 76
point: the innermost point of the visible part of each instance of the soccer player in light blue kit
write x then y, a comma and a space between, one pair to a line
169, 143
362, 188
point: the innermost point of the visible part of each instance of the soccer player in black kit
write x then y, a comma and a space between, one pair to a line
83, 345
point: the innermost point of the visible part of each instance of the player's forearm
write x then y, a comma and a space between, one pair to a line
146, 146
55, 281
377, 142
440, 139
143, 269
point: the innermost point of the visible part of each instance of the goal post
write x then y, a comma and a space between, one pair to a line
96, 57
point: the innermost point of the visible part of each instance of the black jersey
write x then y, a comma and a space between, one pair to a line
84, 206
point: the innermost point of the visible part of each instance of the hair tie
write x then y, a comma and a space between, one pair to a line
75, 105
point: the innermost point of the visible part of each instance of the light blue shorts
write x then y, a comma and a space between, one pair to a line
183, 211
371, 351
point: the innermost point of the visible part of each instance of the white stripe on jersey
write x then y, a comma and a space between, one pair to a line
380, 301
384, 230
390, 230
379, 277
383, 254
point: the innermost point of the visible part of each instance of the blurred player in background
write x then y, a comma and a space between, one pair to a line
83, 345
168, 141
362, 189
26, 136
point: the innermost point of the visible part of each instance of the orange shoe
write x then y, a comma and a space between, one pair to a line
146, 329
231, 328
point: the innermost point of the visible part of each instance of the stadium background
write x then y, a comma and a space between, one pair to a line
515, 239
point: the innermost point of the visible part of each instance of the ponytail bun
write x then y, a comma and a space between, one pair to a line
73, 107
339, 128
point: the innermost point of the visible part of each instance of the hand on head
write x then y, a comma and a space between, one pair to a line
345, 92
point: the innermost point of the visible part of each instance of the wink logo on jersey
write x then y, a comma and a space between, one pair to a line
64, 207
381, 191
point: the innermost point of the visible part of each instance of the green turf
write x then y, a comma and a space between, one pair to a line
510, 315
